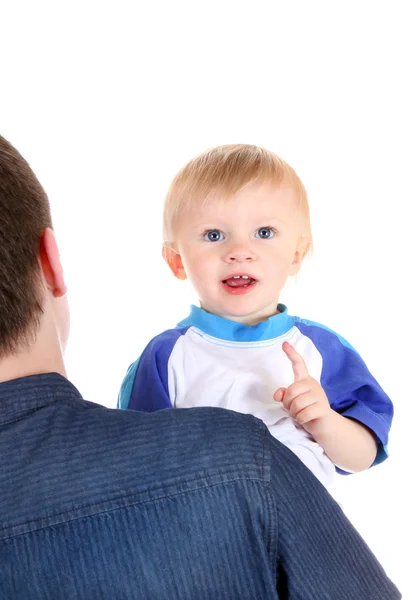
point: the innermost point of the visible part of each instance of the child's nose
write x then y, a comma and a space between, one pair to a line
239, 255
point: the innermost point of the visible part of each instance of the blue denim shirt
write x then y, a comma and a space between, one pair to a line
180, 504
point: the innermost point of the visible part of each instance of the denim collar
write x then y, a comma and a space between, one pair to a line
19, 396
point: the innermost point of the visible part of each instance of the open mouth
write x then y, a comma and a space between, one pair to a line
239, 281
239, 284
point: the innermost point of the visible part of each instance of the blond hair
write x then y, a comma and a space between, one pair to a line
221, 172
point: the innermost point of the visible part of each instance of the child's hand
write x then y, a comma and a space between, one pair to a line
304, 399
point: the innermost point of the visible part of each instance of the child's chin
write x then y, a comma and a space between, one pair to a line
242, 312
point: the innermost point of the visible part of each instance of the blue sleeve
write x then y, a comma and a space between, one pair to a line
351, 389
145, 386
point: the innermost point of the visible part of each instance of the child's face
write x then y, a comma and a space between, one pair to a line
239, 253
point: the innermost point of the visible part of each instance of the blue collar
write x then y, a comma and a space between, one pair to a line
224, 329
20, 396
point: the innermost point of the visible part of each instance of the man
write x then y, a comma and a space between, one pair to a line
106, 504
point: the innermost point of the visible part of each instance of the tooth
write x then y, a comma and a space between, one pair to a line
245, 277
236, 276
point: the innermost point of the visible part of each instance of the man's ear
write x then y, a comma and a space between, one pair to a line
173, 260
50, 264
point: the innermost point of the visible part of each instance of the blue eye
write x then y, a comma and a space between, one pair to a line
213, 236
265, 233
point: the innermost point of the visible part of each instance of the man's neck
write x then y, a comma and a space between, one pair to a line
45, 356
24, 366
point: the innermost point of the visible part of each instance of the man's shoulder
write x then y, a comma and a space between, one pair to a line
191, 435
96, 459
174, 442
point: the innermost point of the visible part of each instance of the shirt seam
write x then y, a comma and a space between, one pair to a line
273, 513
265, 343
114, 508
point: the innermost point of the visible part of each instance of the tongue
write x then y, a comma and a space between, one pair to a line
239, 282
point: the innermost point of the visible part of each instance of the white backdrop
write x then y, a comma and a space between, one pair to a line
108, 100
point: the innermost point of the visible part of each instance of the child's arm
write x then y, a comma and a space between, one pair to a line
349, 444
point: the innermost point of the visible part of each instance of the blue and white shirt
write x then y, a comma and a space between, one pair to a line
210, 361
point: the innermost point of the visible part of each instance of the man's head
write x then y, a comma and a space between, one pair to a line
31, 281
236, 223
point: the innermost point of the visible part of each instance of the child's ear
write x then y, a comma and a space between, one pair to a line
173, 260
301, 252
296, 264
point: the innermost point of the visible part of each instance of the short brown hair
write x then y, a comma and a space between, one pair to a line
223, 171
24, 215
